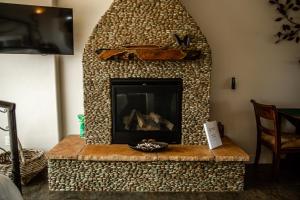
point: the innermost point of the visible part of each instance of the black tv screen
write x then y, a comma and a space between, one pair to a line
26, 29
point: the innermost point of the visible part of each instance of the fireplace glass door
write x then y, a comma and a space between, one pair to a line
146, 109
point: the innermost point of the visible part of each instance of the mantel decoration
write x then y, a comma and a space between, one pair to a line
290, 28
152, 52
148, 53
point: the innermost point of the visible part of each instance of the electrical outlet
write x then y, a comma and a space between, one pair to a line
7, 140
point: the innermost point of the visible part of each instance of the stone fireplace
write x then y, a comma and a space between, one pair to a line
146, 109
146, 22
129, 100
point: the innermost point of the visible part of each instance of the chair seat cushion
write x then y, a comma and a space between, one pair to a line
288, 140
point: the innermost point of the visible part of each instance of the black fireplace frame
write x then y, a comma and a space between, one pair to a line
118, 137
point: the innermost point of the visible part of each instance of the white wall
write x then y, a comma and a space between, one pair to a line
240, 33
86, 15
30, 82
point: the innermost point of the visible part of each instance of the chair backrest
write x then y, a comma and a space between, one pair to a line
10, 109
268, 113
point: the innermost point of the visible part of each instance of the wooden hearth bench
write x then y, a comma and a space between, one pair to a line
76, 166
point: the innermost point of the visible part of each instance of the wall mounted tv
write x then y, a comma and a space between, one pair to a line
27, 29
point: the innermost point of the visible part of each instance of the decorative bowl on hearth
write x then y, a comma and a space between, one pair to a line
149, 146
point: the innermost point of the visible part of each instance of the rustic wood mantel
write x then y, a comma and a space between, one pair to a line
148, 53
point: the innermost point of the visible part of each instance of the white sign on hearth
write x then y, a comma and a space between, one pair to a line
212, 134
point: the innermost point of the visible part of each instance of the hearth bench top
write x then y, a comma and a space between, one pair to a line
74, 148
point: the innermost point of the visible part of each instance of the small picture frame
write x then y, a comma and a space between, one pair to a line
212, 134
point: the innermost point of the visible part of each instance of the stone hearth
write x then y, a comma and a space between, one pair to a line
75, 166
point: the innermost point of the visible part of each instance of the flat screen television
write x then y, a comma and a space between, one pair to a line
27, 29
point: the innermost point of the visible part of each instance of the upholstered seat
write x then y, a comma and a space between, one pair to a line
288, 140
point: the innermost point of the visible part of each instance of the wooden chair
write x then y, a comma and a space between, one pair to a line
10, 108
273, 138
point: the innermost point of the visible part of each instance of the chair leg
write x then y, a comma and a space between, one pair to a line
257, 154
276, 164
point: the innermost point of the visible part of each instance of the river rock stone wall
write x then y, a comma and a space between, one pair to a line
145, 22
163, 176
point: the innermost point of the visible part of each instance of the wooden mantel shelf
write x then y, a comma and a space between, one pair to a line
74, 148
148, 53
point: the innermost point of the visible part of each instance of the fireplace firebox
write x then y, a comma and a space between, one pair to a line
146, 109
